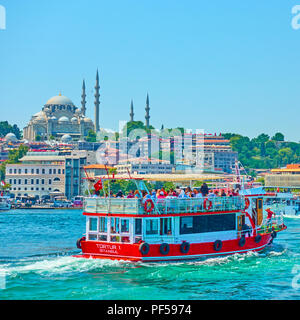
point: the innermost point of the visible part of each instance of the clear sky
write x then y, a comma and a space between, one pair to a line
221, 66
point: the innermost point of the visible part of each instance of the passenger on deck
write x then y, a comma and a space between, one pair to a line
130, 194
204, 189
119, 194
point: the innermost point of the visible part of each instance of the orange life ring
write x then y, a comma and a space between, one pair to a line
205, 204
247, 203
149, 205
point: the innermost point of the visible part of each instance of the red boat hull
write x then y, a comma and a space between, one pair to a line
131, 252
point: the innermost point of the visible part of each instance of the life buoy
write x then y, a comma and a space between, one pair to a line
247, 203
164, 248
149, 205
207, 208
144, 248
242, 241
218, 245
273, 234
78, 243
185, 247
257, 238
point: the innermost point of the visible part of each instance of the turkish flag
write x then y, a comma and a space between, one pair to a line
98, 186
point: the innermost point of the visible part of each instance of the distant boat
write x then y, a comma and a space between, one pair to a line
4, 202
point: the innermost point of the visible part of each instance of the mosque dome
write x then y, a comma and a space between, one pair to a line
53, 118
63, 119
59, 100
74, 119
39, 114
66, 138
11, 137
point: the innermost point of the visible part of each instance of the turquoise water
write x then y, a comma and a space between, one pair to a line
36, 263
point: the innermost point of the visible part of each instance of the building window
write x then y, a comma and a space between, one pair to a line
57, 179
43, 181
50, 171
37, 171
43, 171
37, 181
50, 181
10, 170
20, 171
25, 181
32, 171
10, 181
32, 181
20, 181
26, 171
54, 171
15, 171
59, 171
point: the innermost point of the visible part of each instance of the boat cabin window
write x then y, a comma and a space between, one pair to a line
207, 223
93, 224
151, 226
137, 230
166, 226
103, 224
114, 225
125, 225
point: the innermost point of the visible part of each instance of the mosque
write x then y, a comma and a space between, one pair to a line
61, 119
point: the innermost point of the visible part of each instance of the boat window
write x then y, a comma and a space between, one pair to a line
92, 237
125, 225
166, 226
151, 226
102, 237
93, 224
102, 224
138, 226
114, 225
207, 223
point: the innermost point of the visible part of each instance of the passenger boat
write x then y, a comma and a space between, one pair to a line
175, 229
5, 202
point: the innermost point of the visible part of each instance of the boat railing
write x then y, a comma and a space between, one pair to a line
163, 206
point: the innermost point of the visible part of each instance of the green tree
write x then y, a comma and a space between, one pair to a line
278, 137
91, 136
6, 128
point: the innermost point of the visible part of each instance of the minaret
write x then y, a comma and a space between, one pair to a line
97, 103
147, 117
131, 112
83, 101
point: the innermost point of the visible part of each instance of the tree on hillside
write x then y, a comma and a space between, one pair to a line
6, 128
278, 137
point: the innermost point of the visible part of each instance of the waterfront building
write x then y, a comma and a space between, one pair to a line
145, 168
284, 177
49, 173
37, 175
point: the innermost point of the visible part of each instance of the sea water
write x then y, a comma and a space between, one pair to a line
36, 248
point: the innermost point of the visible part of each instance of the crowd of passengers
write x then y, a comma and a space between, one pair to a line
178, 193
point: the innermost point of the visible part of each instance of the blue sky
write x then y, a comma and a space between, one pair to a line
221, 66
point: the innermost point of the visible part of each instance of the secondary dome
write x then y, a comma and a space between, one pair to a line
66, 138
11, 137
63, 119
59, 100
74, 119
